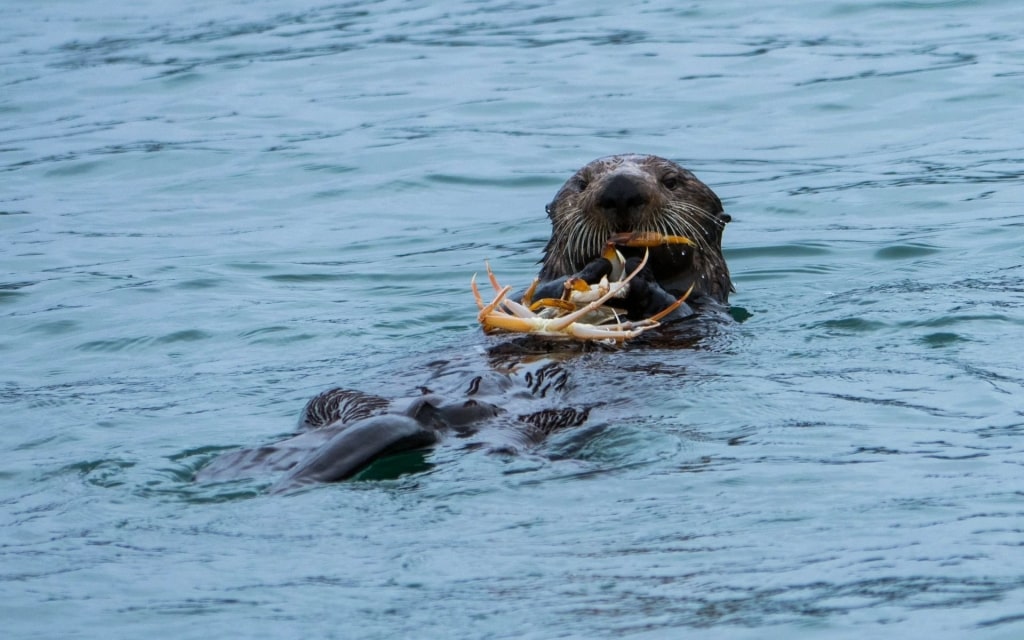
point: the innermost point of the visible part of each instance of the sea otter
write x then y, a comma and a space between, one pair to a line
343, 430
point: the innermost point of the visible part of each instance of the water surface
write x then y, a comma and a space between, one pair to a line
212, 211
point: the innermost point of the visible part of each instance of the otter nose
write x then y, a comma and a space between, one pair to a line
622, 195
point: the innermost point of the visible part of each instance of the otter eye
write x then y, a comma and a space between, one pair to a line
670, 182
582, 183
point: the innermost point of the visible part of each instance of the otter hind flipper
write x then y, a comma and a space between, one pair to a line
355, 447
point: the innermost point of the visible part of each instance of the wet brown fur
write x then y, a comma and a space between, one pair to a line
664, 198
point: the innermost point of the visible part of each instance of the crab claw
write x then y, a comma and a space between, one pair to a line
612, 255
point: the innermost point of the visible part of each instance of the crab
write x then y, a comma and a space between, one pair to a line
580, 313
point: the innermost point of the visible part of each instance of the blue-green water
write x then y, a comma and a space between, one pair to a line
201, 205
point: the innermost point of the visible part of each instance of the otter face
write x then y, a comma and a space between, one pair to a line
639, 193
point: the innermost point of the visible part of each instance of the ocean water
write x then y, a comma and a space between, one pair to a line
209, 212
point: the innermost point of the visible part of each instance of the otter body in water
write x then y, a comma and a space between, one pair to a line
346, 430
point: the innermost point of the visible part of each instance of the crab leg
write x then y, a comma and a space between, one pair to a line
557, 303
612, 255
486, 309
648, 239
590, 332
528, 296
476, 293
518, 310
490, 275
532, 325
675, 305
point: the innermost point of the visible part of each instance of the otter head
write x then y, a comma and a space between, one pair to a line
640, 193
